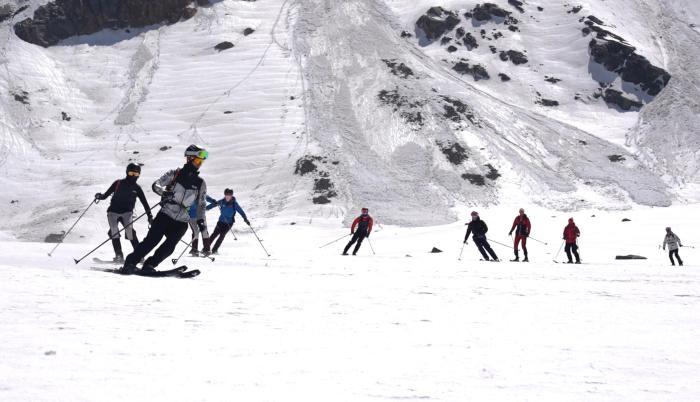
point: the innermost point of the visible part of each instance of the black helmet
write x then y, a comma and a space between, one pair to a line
228, 191
194, 151
132, 167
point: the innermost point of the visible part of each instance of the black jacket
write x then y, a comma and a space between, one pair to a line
124, 199
478, 227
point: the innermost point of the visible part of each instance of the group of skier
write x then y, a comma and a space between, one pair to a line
183, 204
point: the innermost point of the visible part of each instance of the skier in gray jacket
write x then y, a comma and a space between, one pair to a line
179, 189
673, 242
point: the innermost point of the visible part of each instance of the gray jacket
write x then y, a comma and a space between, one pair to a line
188, 189
672, 241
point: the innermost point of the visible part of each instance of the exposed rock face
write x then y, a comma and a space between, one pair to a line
477, 71
617, 56
486, 11
62, 19
614, 97
514, 56
435, 23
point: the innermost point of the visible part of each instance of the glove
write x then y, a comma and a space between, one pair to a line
247, 222
200, 224
510, 233
168, 196
98, 196
150, 220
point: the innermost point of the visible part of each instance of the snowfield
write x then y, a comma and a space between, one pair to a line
309, 324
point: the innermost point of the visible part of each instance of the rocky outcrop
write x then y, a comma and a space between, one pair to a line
487, 11
434, 23
514, 56
63, 19
614, 97
613, 53
477, 71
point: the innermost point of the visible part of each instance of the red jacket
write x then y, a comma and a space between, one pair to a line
522, 223
571, 232
364, 222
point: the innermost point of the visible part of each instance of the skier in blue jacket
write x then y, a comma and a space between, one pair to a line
228, 207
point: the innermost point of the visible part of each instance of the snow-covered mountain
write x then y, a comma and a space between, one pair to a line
314, 108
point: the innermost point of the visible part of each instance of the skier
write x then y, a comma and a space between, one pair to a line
479, 228
179, 189
361, 228
571, 234
228, 206
673, 242
121, 208
198, 226
521, 225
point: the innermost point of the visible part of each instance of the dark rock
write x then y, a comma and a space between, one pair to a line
493, 172
497, 35
630, 257
514, 56
477, 71
165, 147
6, 11
460, 32
54, 238
188, 13
540, 8
517, 4
595, 20
551, 79
626, 220
65, 117
513, 28
228, 111
454, 152
614, 97
63, 19
435, 23
487, 11
407, 108
223, 46
547, 102
445, 40
307, 164
575, 10
470, 41
435, 250
616, 158
321, 200
398, 69
21, 97
248, 31
504, 77
451, 49
405, 34
475, 179
457, 111
493, 49
202, 3
582, 142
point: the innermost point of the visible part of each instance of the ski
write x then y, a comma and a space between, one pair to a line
101, 261
188, 274
179, 272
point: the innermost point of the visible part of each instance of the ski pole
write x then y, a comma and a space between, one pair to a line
259, 241
501, 244
77, 261
95, 201
188, 245
539, 241
175, 260
461, 251
370, 246
232, 234
336, 240
559, 251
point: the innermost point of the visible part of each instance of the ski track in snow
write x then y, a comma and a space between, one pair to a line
309, 324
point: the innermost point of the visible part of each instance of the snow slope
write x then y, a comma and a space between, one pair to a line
308, 82
310, 325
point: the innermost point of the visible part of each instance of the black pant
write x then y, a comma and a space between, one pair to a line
483, 245
572, 247
357, 237
671, 253
163, 225
220, 231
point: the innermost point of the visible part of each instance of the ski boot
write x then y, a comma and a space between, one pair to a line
516, 259
526, 260
205, 253
119, 259
215, 252
680, 263
148, 269
128, 269
194, 253
578, 262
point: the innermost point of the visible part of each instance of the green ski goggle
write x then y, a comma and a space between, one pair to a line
202, 154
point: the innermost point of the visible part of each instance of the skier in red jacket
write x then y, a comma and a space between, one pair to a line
571, 234
363, 224
521, 225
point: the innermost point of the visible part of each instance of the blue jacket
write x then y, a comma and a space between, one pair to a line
228, 209
193, 211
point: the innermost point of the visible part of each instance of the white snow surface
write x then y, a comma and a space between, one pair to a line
310, 325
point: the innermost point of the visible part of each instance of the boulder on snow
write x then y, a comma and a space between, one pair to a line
63, 19
223, 46
514, 56
248, 31
630, 257
435, 250
615, 97
477, 71
54, 238
626, 220
434, 23
487, 11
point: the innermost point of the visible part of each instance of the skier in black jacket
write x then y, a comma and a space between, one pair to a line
479, 228
179, 189
121, 208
